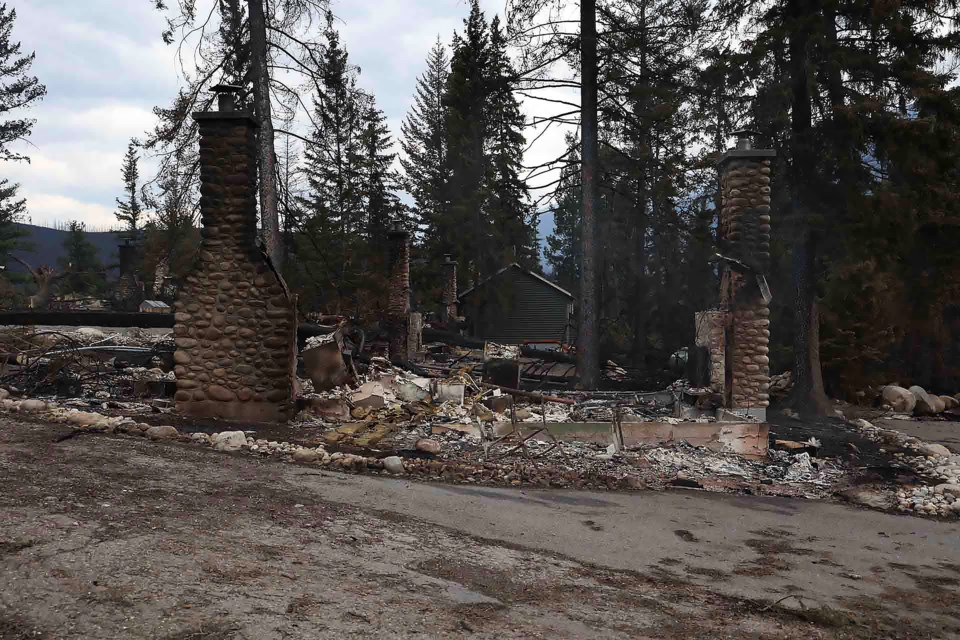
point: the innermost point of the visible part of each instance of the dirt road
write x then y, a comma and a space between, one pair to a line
116, 537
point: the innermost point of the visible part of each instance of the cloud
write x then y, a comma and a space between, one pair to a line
46, 208
105, 68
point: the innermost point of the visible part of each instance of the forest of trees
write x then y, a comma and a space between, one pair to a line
859, 100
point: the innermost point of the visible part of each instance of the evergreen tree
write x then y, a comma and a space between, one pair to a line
12, 210
465, 232
332, 219
18, 91
170, 236
856, 102
129, 209
379, 181
508, 208
564, 243
424, 144
83, 272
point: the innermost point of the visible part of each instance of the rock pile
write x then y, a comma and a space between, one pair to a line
936, 464
915, 400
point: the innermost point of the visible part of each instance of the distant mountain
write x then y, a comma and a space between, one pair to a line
45, 246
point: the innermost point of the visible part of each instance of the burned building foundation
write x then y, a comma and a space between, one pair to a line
235, 322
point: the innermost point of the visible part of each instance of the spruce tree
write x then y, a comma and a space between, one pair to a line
331, 210
465, 232
18, 91
83, 272
12, 210
378, 179
129, 210
508, 207
424, 144
564, 243
170, 235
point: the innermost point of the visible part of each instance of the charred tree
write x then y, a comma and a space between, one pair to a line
265, 138
588, 363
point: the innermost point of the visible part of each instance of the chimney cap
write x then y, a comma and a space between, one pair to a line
745, 137
226, 96
226, 88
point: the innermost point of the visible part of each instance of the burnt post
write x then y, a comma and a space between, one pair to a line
398, 295
449, 289
235, 322
744, 238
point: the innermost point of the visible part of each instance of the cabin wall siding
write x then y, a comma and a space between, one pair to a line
530, 309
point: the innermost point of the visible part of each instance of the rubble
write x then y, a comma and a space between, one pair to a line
445, 422
933, 463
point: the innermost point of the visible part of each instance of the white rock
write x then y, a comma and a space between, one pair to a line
860, 423
948, 489
4, 394
927, 405
393, 464
228, 440
428, 446
305, 455
900, 399
163, 432
83, 418
869, 498
933, 449
200, 437
32, 404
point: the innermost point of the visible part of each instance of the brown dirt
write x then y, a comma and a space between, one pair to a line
115, 537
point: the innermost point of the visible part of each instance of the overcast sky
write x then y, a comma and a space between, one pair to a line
105, 68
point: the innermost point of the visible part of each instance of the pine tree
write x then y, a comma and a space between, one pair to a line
332, 213
508, 207
424, 144
18, 91
379, 181
83, 272
129, 209
465, 232
170, 236
565, 243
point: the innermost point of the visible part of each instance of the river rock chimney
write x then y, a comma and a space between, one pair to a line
235, 322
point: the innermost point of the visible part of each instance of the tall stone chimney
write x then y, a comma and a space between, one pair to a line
744, 236
235, 323
398, 296
449, 289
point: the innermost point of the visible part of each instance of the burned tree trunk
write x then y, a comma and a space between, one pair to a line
267, 160
808, 394
588, 363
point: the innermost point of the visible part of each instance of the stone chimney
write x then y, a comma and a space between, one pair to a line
235, 323
744, 236
449, 289
128, 290
398, 296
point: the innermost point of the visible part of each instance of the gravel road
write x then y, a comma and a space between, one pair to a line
117, 537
